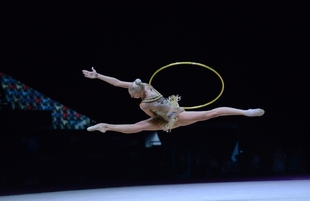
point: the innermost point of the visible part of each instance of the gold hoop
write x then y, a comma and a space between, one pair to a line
197, 64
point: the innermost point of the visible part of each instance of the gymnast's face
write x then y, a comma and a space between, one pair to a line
134, 94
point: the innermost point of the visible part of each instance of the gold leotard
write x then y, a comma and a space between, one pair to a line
166, 110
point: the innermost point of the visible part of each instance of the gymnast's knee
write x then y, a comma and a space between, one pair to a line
212, 114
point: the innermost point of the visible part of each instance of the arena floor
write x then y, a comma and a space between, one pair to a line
287, 190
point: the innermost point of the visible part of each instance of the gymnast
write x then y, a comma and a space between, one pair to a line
165, 113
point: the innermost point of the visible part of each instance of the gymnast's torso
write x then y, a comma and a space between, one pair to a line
165, 110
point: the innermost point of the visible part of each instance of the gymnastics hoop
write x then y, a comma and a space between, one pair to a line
197, 64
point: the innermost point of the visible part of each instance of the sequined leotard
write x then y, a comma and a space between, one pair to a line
165, 109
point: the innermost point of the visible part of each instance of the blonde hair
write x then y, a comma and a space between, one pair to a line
136, 86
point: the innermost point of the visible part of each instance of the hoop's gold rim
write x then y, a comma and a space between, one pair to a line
197, 64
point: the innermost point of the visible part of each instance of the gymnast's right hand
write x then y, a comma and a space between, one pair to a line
90, 74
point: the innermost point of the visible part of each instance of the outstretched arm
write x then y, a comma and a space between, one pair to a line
111, 80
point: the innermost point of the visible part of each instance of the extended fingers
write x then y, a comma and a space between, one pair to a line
90, 74
85, 72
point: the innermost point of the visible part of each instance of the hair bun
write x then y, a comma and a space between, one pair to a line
138, 82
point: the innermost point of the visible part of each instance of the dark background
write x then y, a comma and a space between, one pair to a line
259, 48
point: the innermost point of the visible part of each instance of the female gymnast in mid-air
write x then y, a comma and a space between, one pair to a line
165, 113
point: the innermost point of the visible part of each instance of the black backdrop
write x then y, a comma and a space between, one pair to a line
259, 48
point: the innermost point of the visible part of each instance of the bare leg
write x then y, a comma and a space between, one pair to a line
146, 125
188, 117
185, 118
